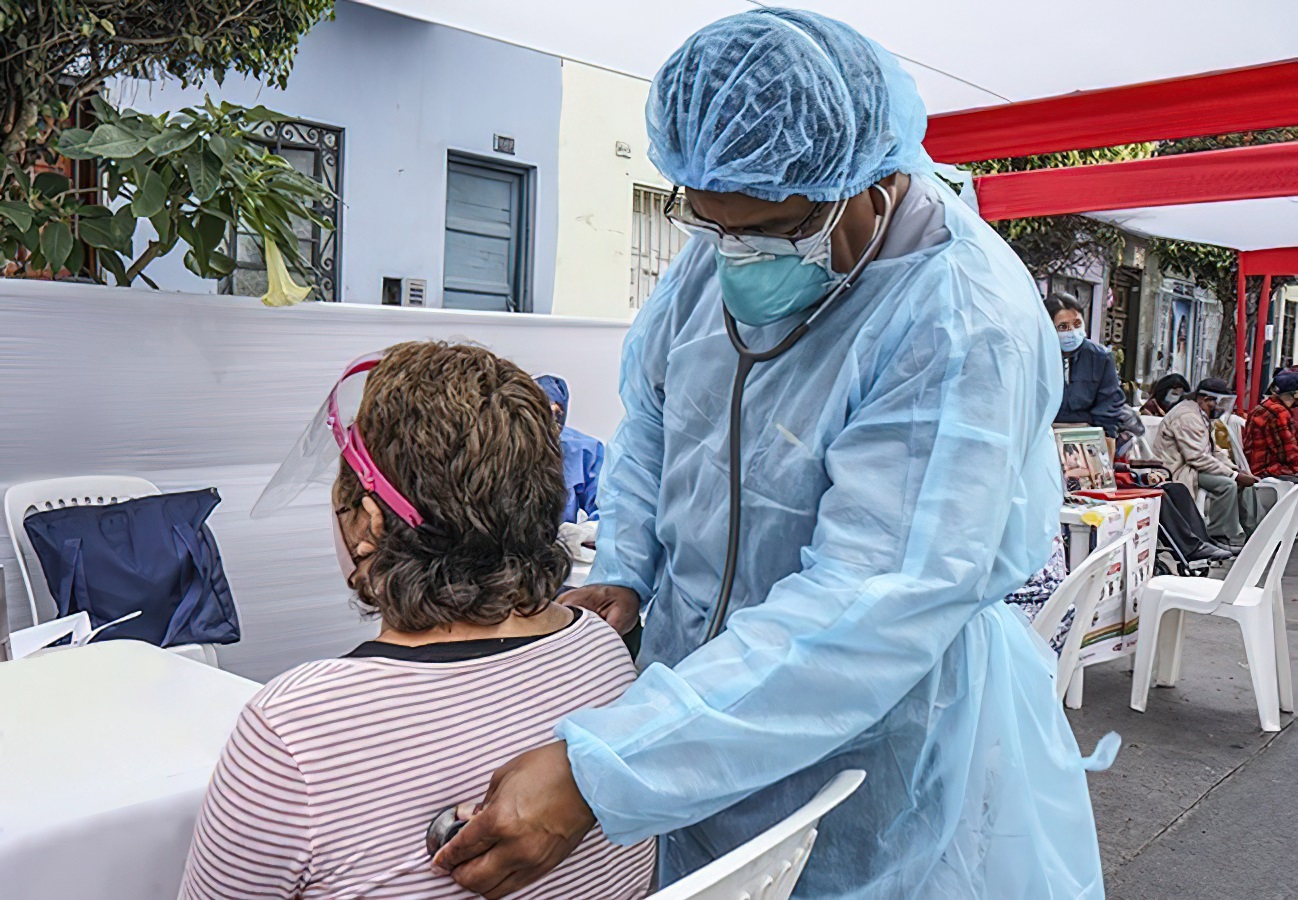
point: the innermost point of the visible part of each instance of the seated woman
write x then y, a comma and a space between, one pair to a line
1092, 394
1167, 392
335, 769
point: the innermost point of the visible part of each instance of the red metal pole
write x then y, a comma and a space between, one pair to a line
1259, 341
1241, 340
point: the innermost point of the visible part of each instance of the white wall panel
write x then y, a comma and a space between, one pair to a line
191, 391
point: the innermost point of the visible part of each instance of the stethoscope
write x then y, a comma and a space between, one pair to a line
748, 358
446, 824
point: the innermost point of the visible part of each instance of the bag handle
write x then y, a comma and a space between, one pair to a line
72, 580
197, 552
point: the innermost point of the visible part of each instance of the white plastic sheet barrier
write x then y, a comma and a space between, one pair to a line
194, 391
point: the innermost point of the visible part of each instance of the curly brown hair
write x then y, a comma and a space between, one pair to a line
468, 438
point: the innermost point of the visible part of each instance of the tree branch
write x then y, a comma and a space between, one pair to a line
152, 252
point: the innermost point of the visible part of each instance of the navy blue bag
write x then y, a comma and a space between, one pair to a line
154, 554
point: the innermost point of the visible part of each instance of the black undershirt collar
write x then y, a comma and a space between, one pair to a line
451, 651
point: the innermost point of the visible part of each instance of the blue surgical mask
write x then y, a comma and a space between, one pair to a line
763, 286
761, 291
1071, 340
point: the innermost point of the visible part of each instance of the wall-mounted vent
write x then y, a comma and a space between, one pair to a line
414, 291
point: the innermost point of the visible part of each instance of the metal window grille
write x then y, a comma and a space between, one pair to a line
654, 241
316, 151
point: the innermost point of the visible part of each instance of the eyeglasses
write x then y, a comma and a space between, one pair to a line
681, 214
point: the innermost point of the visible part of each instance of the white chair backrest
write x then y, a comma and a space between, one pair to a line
1139, 444
1142, 448
6, 652
768, 866
1235, 428
1152, 424
1270, 543
1082, 590
22, 500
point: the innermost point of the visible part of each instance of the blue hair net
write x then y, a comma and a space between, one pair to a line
779, 102
557, 390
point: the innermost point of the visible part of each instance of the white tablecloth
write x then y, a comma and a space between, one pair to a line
105, 752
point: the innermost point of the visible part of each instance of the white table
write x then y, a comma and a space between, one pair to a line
105, 752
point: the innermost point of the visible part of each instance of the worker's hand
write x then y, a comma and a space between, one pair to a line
1244, 480
532, 817
618, 606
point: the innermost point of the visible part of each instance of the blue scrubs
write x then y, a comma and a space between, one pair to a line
583, 456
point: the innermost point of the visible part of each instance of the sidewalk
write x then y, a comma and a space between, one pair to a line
1200, 802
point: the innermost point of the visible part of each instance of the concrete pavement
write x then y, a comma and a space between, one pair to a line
1200, 802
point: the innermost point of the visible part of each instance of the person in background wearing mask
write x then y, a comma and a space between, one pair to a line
1185, 444
583, 455
1092, 394
1270, 445
898, 477
1167, 392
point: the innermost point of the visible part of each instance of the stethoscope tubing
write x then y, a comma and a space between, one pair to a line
748, 358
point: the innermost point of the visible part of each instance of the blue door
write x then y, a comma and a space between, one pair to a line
487, 237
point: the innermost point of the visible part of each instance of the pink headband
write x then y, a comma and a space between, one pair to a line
358, 458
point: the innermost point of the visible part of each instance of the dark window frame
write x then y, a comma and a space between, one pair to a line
327, 142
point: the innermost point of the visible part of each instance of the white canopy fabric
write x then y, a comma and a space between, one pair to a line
1241, 224
962, 55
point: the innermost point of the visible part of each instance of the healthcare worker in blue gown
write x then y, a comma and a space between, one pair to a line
583, 455
899, 478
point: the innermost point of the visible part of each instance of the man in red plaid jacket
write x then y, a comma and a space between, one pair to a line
1269, 440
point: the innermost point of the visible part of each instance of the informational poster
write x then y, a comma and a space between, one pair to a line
1113, 628
1084, 457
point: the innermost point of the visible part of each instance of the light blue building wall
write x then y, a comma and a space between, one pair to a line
405, 93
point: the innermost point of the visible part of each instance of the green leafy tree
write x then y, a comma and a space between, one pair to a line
195, 176
56, 53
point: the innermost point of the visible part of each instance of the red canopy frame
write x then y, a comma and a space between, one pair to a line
1249, 99
1241, 173
1267, 263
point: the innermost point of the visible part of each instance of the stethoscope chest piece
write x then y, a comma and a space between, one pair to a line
445, 826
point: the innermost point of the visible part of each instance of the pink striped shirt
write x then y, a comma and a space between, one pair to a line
335, 768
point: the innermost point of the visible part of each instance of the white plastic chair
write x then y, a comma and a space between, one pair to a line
1082, 590
1152, 424
22, 500
1249, 595
768, 866
1235, 429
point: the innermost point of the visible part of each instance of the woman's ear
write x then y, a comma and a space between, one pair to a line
375, 531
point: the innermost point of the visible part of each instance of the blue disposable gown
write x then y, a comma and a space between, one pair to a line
899, 478
583, 457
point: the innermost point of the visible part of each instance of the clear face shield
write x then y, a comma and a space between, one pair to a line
1223, 405
331, 434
